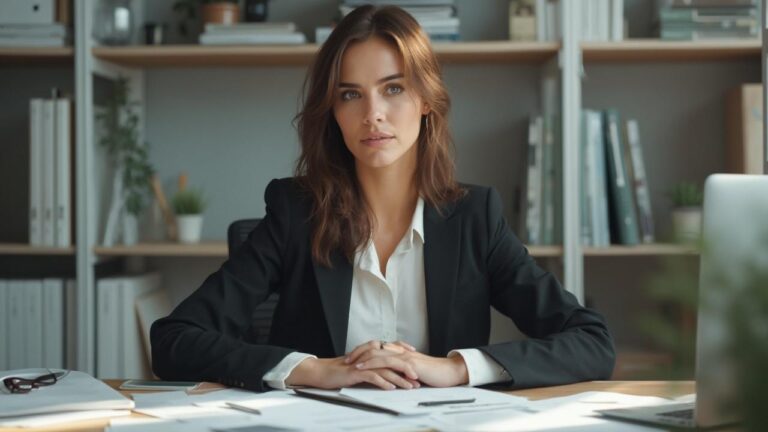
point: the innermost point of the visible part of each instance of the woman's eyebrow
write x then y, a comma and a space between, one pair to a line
385, 79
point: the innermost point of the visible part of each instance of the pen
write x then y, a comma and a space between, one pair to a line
242, 408
446, 402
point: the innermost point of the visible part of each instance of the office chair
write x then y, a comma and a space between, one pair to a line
261, 321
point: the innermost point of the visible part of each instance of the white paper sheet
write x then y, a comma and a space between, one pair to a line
77, 391
42, 420
569, 413
159, 399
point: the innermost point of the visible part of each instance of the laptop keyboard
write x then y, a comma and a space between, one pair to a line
686, 414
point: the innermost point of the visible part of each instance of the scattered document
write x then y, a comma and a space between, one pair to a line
573, 413
421, 401
43, 420
77, 391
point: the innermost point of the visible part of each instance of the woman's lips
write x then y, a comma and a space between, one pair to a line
376, 142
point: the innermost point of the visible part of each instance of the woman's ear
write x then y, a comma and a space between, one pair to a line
425, 109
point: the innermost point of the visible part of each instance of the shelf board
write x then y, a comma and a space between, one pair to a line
648, 50
545, 251
37, 56
26, 249
284, 55
641, 250
204, 249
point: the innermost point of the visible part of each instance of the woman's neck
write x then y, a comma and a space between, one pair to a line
391, 193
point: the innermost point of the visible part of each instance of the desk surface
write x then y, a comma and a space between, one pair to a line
640, 388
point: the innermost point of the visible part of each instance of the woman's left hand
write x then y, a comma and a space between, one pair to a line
432, 371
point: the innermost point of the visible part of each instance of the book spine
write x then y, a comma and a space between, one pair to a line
623, 211
600, 218
33, 322
17, 345
107, 329
70, 316
541, 20
645, 216
62, 216
53, 323
35, 172
48, 181
533, 191
585, 198
617, 20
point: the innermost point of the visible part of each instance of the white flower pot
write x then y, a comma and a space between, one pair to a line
130, 229
190, 228
686, 222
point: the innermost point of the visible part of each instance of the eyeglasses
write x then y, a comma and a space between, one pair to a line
25, 385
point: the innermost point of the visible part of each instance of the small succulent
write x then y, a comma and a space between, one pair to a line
189, 201
686, 194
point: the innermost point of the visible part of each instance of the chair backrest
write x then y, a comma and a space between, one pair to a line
261, 320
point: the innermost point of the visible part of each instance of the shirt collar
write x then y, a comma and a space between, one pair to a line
366, 256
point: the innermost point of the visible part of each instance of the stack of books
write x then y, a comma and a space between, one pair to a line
437, 17
265, 33
50, 171
34, 35
600, 20
709, 19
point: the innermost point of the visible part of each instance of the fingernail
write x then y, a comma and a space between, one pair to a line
346, 359
411, 348
391, 386
360, 365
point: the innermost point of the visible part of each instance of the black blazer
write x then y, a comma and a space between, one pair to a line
472, 261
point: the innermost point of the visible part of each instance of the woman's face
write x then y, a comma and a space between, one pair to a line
378, 113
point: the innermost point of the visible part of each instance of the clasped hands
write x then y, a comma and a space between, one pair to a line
387, 365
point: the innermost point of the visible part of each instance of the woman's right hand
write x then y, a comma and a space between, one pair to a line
334, 373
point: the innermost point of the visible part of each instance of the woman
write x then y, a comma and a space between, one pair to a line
373, 241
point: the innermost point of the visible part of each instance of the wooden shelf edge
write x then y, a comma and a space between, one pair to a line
25, 249
658, 50
641, 250
244, 55
545, 251
36, 55
204, 249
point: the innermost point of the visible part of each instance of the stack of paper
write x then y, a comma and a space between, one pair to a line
75, 396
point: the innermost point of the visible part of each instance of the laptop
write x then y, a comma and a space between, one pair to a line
734, 232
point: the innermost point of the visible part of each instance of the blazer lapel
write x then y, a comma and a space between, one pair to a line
441, 264
335, 286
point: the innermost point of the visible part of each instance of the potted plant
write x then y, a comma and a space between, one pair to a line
211, 11
686, 215
188, 205
133, 172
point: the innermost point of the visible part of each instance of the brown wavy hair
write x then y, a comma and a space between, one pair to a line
341, 220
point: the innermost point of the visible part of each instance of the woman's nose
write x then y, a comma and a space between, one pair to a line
374, 111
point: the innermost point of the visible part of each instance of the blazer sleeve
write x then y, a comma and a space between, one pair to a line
567, 342
201, 340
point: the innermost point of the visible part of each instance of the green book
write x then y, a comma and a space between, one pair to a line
623, 212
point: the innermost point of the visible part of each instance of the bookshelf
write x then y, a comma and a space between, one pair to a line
222, 114
10, 56
226, 56
653, 50
25, 249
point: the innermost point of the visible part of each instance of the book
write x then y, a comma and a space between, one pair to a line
711, 3
53, 323
694, 15
251, 27
598, 182
48, 164
27, 12
710, 34
70, 316
620, 194
14, 321
32, 322
643, 195
107, 332
62, 217
744, 128
132, 361
33, 30
534, 184
253, 39
35, 172
27, 41
585, 193
617, 20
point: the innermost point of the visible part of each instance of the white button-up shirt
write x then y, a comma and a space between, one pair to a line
393, 307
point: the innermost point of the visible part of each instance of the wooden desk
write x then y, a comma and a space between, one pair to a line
641, 388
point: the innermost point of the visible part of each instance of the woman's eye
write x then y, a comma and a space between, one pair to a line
349, 95
394, 89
